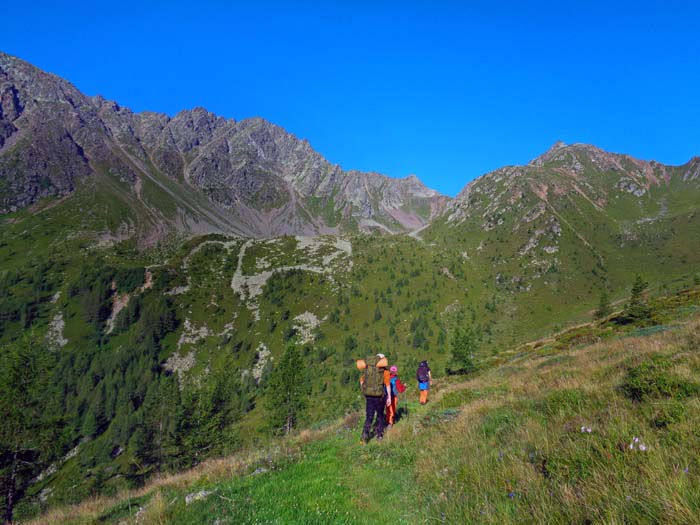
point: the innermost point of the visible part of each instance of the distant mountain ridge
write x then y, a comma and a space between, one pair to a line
197, 172
258, 179
574, 160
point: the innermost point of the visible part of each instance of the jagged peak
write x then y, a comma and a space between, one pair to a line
554, 148
560, 146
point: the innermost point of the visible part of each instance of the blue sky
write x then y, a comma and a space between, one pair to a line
444, 90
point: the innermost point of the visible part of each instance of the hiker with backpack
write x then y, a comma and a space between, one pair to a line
396, 388
374, 383
425, 380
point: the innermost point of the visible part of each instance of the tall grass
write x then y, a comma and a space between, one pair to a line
537, 439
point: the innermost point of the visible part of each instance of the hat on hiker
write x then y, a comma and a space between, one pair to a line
381, 356
393, 369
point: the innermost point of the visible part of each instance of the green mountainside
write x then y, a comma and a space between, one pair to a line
151, 312
550, 236
596, 425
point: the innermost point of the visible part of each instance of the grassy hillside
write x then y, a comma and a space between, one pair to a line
595, 425
547, 238
158, 359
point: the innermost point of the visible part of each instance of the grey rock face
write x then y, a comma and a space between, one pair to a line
257, 178
52, 136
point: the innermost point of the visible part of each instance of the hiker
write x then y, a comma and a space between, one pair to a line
396, 388
374, 383
425, 380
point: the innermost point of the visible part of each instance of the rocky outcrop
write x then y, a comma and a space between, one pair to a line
256, 178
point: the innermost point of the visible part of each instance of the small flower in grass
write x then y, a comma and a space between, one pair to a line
685, 470
585, 429
638, 445
511, 495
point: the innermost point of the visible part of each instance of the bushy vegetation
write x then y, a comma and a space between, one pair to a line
463, 346
529, 438
653, 379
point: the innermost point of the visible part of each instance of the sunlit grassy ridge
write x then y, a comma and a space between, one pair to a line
596, 425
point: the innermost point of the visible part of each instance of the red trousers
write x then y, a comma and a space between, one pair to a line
391, 410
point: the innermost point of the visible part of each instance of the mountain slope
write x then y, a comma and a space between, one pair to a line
195, 172
570, 224
597, 425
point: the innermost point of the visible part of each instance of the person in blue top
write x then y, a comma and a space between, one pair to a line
397, 387
425, 380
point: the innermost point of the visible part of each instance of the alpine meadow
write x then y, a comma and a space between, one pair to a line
183, 300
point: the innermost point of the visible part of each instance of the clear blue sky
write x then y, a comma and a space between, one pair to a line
444, 90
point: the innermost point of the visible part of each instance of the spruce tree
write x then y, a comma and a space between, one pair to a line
287, 391
377, 314
463, 346
604, 308
637, 309
26, 432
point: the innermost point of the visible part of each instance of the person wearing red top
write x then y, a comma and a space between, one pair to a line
394, 383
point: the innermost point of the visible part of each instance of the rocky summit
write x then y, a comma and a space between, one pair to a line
195, 172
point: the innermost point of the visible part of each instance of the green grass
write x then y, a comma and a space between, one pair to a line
509, 445
420, 288
331, 481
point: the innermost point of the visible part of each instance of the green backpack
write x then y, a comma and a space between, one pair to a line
373, 383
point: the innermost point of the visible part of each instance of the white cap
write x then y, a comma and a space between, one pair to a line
381, 356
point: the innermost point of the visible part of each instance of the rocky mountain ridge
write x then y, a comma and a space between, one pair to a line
258, 179
198, 172
581, 169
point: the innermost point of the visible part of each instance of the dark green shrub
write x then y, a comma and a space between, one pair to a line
463, 346
668, 413
652, 380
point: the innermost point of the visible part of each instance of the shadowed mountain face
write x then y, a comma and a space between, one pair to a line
194, 172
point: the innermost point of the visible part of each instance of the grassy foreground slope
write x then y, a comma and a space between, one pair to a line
597, 425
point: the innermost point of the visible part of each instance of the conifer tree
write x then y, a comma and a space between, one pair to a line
463, 346
26, 429
637, 309
377, 314
287, 391
604, 308
162, 416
